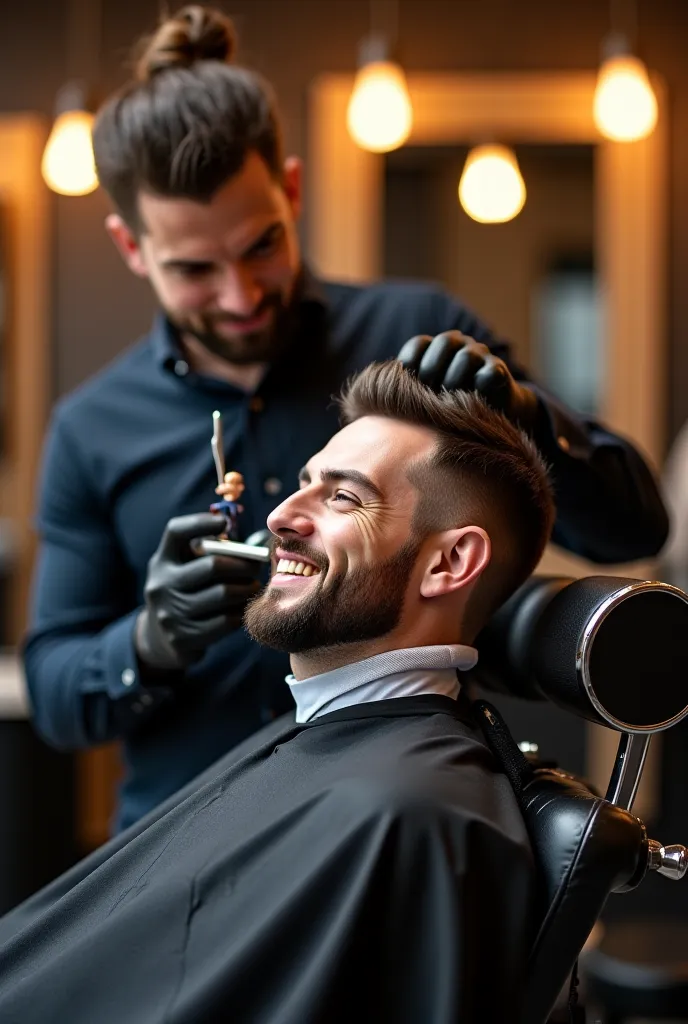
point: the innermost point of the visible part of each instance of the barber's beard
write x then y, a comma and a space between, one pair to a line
340, 608
243, 348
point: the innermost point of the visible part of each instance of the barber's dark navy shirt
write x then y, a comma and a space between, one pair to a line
130, 448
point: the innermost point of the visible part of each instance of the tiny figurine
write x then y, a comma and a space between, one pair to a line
230, 490
230, 486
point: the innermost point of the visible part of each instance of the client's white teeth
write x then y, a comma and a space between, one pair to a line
294, 568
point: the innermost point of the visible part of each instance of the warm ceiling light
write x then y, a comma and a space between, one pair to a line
379, 115
625, 106
491, 189
68, 166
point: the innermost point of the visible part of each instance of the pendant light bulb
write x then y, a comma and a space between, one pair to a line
379, 116
625, 106
491, 189
68, 166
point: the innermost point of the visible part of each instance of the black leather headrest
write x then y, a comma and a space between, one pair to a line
610, 649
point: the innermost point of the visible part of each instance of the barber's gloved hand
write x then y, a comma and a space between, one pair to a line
454, 361
190, 601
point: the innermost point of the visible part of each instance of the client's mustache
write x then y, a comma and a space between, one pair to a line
298, 547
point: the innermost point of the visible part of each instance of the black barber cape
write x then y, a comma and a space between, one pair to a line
369, 866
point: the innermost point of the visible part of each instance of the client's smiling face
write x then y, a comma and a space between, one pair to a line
344, 551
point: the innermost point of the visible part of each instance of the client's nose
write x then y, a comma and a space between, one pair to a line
290, 518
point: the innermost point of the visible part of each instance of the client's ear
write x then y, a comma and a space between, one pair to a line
458, 558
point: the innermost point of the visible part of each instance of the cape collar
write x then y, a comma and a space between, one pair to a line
410, 672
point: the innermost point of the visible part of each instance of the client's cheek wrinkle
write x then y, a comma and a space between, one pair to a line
374, 520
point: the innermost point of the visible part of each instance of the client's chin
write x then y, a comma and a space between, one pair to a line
283, 629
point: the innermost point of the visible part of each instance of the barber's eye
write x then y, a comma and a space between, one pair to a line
266, 246
194, 270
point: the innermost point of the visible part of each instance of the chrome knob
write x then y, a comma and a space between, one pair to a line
526, 747
670, 861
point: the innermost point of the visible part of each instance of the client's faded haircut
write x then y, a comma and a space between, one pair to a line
484, 471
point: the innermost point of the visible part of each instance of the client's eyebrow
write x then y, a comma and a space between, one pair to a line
354, 476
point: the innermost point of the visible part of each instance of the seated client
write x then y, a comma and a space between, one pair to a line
364, 860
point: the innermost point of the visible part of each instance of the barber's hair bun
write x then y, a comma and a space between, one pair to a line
192, 34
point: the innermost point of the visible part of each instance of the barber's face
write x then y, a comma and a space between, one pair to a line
344, 554
225, 271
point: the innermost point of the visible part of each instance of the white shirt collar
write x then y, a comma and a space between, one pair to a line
409, 672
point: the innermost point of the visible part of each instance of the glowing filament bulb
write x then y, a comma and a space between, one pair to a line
491, 189
68, 166
379, 116
625, 106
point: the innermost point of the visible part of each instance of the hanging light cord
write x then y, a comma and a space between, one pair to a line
384, 20
623, 20
84, 20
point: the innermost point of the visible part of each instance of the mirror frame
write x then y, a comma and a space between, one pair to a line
26, 341
346, 201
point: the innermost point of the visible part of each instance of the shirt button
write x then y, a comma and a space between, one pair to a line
146, 699
256, 404
272, 486
181, 367
128, 677
137, 708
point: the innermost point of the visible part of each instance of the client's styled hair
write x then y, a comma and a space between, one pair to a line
484, 471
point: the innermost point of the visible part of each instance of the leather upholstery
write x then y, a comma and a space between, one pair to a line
634, 670
585, 848
610, 650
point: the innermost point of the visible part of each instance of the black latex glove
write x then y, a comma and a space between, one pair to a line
454, 361
191, 601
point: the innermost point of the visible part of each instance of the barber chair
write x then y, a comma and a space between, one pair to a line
613, 651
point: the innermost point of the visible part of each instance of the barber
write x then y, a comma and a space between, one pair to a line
131, 635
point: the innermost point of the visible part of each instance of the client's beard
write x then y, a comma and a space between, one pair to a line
342, 608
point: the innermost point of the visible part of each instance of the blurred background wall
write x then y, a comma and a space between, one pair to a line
99, 307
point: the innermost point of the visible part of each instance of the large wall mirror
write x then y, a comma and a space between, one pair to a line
536, 276
576, 281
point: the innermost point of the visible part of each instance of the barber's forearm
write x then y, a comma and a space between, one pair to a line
595, 521
86, 689
609, 507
